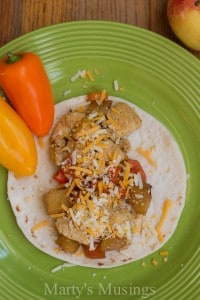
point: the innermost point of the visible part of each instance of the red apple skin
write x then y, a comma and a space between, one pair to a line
184, 19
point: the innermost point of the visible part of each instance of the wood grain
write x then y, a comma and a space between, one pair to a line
22, 16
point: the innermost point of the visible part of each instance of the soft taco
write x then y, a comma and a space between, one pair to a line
109, 188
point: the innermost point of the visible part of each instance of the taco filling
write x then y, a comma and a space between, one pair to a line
101, 190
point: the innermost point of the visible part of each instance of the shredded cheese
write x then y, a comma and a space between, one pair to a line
166, 207
154, 262
84, 170
71, 188
89, 75
147, 155
115, 85
56, 216
102, 96
39, 225
163, 253
95, 142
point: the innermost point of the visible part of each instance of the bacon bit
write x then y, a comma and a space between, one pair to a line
167, 205
41, 142
147, 155
89, 75
39, 225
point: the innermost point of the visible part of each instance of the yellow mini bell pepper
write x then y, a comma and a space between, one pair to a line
17, 146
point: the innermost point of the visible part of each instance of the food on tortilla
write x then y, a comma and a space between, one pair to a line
109, 188
102, 188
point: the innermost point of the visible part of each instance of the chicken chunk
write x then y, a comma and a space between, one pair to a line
120, 216
61, 142
71, 232
110, 149
125, 118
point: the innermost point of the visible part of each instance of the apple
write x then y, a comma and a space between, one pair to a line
184, 19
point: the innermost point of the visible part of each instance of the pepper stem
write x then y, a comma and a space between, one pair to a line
12, 58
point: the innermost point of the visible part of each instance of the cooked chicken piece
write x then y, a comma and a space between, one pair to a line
114, 244
71, 232
120, 215
124, 118
54, 199
61, 142
110, 149
79, 130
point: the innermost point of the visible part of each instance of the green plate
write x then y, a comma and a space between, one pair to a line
161, 78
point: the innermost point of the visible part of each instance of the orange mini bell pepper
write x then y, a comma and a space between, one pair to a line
17, 147
26, 84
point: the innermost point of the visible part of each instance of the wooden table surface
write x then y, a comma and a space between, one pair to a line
21, 16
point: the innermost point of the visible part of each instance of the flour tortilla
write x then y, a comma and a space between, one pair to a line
168, 180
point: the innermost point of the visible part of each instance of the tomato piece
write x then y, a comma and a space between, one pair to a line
93, 254
60, 176
137, 168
